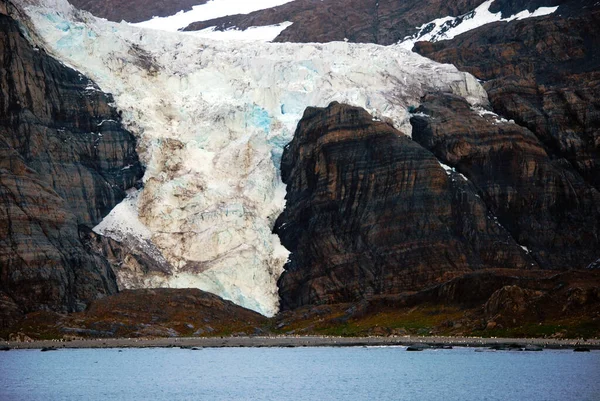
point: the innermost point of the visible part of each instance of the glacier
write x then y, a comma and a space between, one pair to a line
212, 119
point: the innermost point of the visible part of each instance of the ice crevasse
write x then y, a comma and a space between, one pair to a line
212, 119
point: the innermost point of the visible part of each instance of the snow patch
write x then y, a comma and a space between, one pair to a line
252, 34
449, 170
491, 116
210, 10
123, 220
448, 27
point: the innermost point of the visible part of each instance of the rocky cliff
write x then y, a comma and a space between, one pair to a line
66, 161
543, 202
370, 212
544, 75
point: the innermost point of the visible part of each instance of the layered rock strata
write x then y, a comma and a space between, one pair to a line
370, 212
547, 207
212, 190
544, 75
65, 161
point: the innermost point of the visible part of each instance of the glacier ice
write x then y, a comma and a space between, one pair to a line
211, 120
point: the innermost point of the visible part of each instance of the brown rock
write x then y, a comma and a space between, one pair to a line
65, 160
545, 74
491, 325
369, 212
509, 302
546, 206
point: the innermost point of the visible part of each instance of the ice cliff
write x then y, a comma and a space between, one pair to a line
212, 119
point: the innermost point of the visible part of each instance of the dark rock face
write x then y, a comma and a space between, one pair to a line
544, 204
64, 128
370, 212
65, 160
134, 11
544, 74
42, 262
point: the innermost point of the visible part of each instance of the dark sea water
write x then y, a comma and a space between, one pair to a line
378, 373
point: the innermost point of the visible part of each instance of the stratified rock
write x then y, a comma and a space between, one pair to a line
64, 160
546, 206
545, 74
64, 127
43, 265
10, 313
370, 212
383, 22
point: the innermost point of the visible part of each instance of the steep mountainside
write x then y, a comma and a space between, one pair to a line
546, 206
66, 161
370, 212
545, 76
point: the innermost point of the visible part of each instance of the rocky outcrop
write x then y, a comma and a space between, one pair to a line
545, 75
370, 212
65, 160
545, 205
64, 127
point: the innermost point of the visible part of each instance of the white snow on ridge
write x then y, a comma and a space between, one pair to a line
491, 116
449, 170
212, 118
210, 10
251, 34
449, 27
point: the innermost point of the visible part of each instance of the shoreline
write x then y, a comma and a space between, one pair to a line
299, 341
